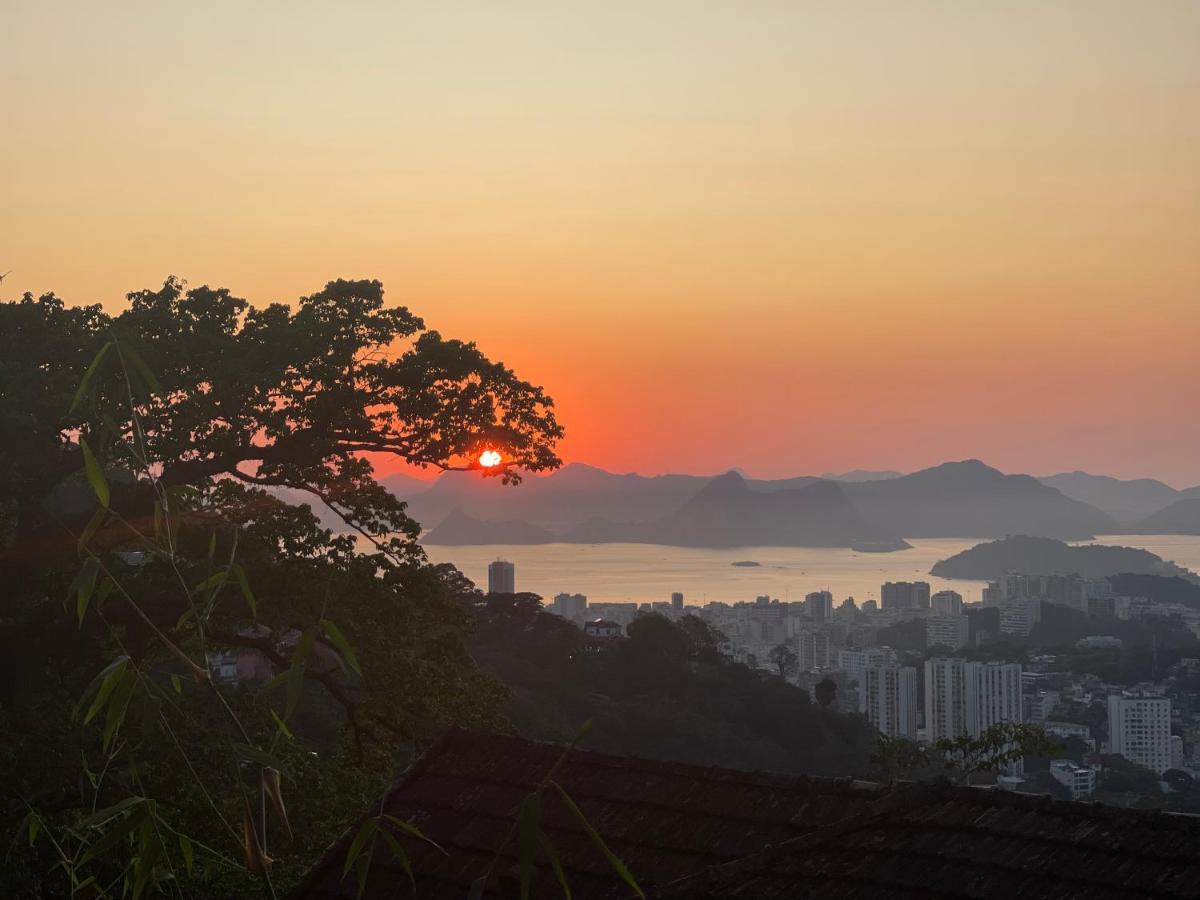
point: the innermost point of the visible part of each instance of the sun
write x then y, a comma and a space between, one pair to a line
489, 458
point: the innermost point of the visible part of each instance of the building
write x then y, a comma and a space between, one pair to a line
855, 661
570, 606
1099, 642
890, 699
965, 697
904, 596
951, 632
677, 603
819, 605
1018, 615
946, 603
1139, 729
1079, 780
603, 630
502, 577
814, 649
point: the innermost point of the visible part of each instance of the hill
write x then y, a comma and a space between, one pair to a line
1125, 501
729, 513
971, 499
1044, 556
1181, 517
459, 529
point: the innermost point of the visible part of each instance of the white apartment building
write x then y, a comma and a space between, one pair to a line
1139, 729
965, 697
815, 650
1079, 780
946, 603
855, 662
950, 632
889, 694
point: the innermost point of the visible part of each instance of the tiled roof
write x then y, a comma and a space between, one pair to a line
664, 820
695, 833
940, 841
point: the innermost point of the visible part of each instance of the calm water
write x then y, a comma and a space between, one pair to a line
645, 572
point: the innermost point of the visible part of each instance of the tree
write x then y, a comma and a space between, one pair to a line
958, 759
136, 467
826, 691
784, 659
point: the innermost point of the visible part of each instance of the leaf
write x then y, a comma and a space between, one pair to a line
87, 585
98, 681
613, 859
114, 836
109, 812
555, 863
118, 704
106, 689
400, 856
215, 580
410, 828
86, 380
257, 860
295, 687
282, 726
343, 646
212, 544
141, 368
244, 583
271, 785
93, 525
188, 853
527, 829
365, 833
177, 683
35, 825
253, 754
304, 646
95, 474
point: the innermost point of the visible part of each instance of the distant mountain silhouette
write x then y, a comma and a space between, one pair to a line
1045, 556
1125, 501
459, 529
1181, 517
856, 475
971, 499
728, 512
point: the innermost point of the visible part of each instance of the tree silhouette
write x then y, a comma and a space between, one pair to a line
784, 659
825, 691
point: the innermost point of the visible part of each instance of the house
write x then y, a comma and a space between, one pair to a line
698, 832
603, 630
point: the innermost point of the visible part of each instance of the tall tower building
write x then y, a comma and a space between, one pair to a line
889, 696
502, 577
947, 603
819, 605
1139, 729
964, 697
677, 602
904, 595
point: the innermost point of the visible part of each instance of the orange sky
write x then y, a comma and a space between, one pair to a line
782, 236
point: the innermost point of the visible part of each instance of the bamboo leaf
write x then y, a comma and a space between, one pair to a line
253, 754
86, 381
282, 726
257, 860
141, 368
34, 824
343, 645
188, 853
93, 525
477, 886
410, 828
109, 812
114, 836
98, 681
95, 473
118, 704
365, 833
527, 829
116, 671
272, 787
177, 683
400, 856
613, 859
87, 585
555, 863
244, 583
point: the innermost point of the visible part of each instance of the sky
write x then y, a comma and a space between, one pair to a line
787, 237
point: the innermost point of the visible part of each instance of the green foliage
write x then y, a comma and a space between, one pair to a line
785, 660
958, 759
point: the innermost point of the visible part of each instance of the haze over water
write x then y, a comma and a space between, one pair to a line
617, 573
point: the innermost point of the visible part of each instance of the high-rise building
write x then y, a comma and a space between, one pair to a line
1139, 729
946, 603
947, 631
855, 661
904, 595
677, 602
570, 606
814, 649
964, 697
502, 577
819, 605
889, 698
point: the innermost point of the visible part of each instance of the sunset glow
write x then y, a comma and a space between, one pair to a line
795, 241
489, 458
